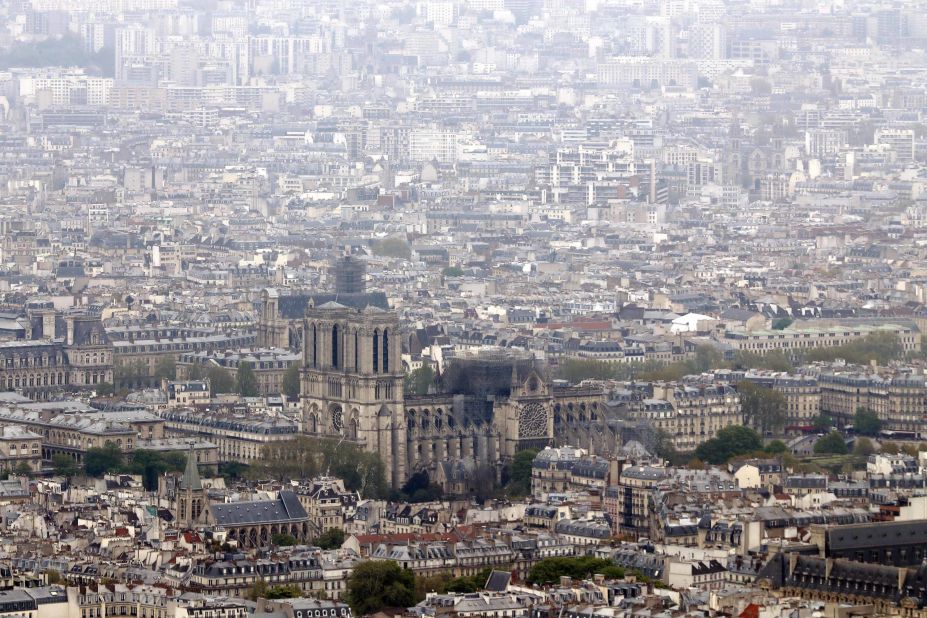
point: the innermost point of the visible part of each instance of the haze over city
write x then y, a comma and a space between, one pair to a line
463, 309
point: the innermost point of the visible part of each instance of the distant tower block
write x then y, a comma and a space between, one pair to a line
350, 273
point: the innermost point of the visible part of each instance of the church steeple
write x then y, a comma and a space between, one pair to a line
191, 474
190, 496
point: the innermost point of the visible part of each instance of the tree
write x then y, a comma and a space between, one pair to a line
65, 466
519, 483
152, 464
304, 457
291, 382
822, 422
550, 570
333, 538
419, 381
220, 380
730, 442
100, 460
246, 382
782, 323
831, 444
863, 447
880, 346
866, 422
763, 408
776, 447
379, 584
166, 368
232, 470
452, 271
105, 389
23, 469
288, 591
394, 247
419, 488
53, 577
707, 357
258, 590
195, 372
283, 540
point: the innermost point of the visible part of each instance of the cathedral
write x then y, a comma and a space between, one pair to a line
490, 406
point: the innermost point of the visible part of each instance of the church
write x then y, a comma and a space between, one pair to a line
492, 404
251, 524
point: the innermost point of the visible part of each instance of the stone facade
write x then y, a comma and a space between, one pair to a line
494, 404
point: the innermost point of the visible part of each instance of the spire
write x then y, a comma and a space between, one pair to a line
191, 474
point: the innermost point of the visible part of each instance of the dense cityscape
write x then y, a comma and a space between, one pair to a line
463, 308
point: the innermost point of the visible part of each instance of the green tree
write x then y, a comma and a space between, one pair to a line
246, 382
220, 380
64, 465
782, 323
822, 422
519, 477
452, 271
376, 585
53, 577
333, 538
100, 460
763, 408
881, 347
105, 389
283, 540
288, 591
195, 372
393, 247
165, 369
730, 442
418, 381
291, 382
863, 447
258, 590
232, 470
152, 464
23, 469
550, 570
866, 422
831, 444
707, 357
776, 447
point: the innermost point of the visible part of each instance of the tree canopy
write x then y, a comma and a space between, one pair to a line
246, 382
831, 444
394, 247
220, 380
866, 422
763, 408
881, 347
65, 465
304, 457
730, 442
100, 460
550, 570
375, 585
333, 538
291, 382
519, 477
418, 381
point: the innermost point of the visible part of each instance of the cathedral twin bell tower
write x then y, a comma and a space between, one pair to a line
352, 378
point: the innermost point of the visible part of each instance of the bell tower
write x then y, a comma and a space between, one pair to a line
352, 380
